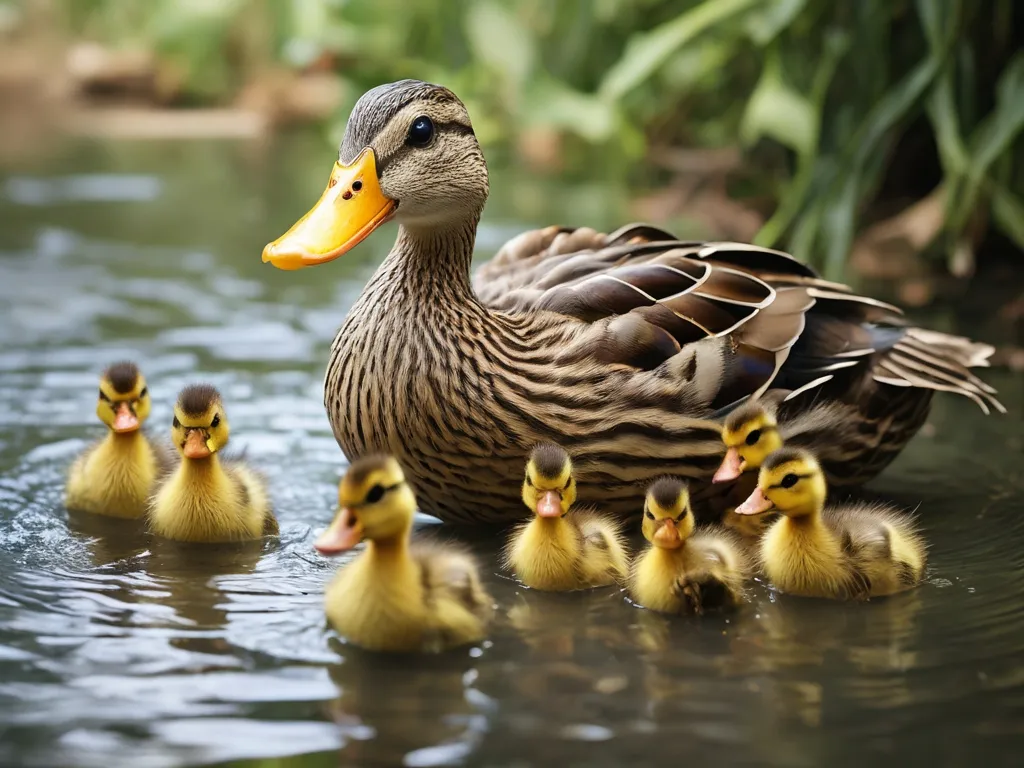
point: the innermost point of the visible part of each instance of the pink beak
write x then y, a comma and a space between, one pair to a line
667, 535
124, 419
343, 534
549, 504
732, 467
756, 504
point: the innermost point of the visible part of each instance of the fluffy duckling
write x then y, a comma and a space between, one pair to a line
558, 549
843, 551
206, 500
115, 476
750, 433
396, 595
683, 571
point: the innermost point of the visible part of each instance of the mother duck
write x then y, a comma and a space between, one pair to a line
622, 347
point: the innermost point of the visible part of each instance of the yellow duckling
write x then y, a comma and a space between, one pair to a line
750, 433
206, 500
115, 476
843, 551
559, 550
683, 571
396, 595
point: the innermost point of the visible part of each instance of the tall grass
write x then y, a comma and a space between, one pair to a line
839, 104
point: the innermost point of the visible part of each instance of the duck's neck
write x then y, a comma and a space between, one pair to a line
430, 261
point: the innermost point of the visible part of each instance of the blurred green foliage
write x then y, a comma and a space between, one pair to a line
839, 104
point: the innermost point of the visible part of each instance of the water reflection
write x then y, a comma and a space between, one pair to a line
120, 649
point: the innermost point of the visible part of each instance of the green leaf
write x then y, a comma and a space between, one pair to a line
779, 112
1008, 213
646, 52
998, 130
764, 25
499, 40
556, 104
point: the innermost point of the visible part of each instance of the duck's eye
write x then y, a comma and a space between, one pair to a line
144, 392
528, 480
648, 514
753, 437
789, 480
216, 421
421, 132
176, 423
103, 396
567, 484
680, 516
375, 494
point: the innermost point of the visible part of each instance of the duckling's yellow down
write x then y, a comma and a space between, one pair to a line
115, 477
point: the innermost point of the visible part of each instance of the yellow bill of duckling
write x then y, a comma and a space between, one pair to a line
397, 595
852, 550
562, 548
116, 475
206, 499
684, 571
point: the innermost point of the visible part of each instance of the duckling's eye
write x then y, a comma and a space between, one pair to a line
789, 480
753, 437
144, 392
421, 132
216, 421
567, 484
103, 396
176, 423
648, 514
528, 480
375, 494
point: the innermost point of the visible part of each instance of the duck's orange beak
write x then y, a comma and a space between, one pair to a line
732, 467
667, 535
124, 419
756, 504
196, 445
343, 534
549, 504
350, 208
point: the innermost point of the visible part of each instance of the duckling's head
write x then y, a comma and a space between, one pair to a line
374, 502
668, 517
200, 426
790, 482
750, 433
409, 152
549, 488
123, 402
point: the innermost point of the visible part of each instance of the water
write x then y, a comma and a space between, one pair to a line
119, 650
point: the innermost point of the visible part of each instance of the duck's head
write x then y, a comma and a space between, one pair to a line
409, 153
374, 502
200, 426
123, 402
668, 517
549, 488
750, 434
790, 482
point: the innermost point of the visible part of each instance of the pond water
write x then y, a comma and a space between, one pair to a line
118, 650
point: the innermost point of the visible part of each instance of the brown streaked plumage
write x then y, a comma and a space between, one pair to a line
622, 347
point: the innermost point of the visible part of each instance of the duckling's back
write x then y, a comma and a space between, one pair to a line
886, 545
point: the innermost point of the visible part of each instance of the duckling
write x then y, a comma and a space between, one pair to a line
206, 500
683, 571
559, 550
115, 476
750, 434
852, 550
396, 595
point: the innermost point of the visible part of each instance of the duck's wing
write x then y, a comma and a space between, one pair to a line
649, 296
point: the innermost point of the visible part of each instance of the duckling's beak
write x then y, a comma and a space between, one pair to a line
350, 208
196, 445
667, 535
125, 419
756, 504
732, 467
549, 504
343, 534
